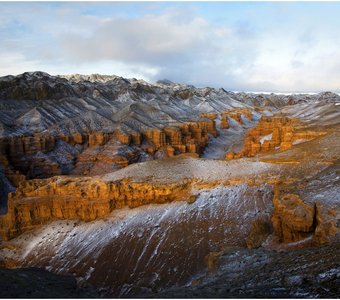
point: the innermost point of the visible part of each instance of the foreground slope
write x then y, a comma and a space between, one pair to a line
243, 273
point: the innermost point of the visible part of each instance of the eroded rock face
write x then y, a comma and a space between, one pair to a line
293, 220
235, 114
19, 157
328, 225
94, 153
302, 211
190, 137
37, 201
274, 133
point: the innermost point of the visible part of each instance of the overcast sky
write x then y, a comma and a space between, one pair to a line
241, 46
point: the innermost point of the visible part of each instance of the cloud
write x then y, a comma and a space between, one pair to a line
17, 59
151, 39
184, 47
170, 41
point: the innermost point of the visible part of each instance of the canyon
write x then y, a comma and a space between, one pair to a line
146, 190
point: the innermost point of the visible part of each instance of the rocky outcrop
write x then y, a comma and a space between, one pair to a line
118, 149
23, 156
274, 133
224, 121
328, 224
18, 156
18, 146
106, 158
38, 201
295, 220
181, 137
235, 114
210, 116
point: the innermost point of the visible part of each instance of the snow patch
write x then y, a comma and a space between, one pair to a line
266, 138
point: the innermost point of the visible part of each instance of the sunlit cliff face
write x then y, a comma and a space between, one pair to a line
273, 133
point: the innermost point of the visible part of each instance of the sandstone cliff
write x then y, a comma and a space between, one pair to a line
274, 133
35, 156
235, 114
293, 220
308, 210
38, 201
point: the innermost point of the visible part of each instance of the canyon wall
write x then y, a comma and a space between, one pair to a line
38, 201
235, 114
297, 219
274, 133
43, 155
23, 156
17, 155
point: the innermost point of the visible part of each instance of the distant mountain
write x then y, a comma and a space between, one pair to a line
89, 102
165, 82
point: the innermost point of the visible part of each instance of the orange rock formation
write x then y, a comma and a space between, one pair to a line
273, 133
235, 114
190, 137
294, 219
83, 198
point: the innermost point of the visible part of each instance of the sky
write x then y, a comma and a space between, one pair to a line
240, 46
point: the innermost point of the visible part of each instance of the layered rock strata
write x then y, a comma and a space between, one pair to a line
18, 156
235, 114
23, 156
302, 212
274, 133
293, 220
38, 201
